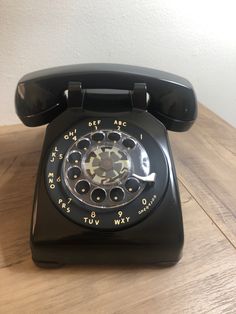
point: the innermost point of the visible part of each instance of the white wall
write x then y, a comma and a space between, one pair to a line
194, 39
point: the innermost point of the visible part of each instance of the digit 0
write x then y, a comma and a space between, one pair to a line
144, 201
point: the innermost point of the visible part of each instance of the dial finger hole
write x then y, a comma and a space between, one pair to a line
117, 194
98, 195
132, 185
83, 144
98, 136
128, 143
74, 158
73, 173
114, 136
82, 187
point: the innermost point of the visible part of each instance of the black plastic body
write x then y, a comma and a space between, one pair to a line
40, 95
105, 91
157, 239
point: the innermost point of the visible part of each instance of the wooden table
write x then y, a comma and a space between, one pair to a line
204, 281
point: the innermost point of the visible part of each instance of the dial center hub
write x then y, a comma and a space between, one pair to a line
106, 165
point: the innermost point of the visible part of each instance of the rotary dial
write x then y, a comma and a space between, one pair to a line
106, 169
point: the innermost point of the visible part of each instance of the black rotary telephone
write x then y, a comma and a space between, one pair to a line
106, 189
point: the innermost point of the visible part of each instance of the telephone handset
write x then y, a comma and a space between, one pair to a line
106, 189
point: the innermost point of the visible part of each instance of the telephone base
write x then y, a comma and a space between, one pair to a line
44, 264
51, 257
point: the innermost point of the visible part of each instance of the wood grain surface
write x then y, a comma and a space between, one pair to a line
204, 281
